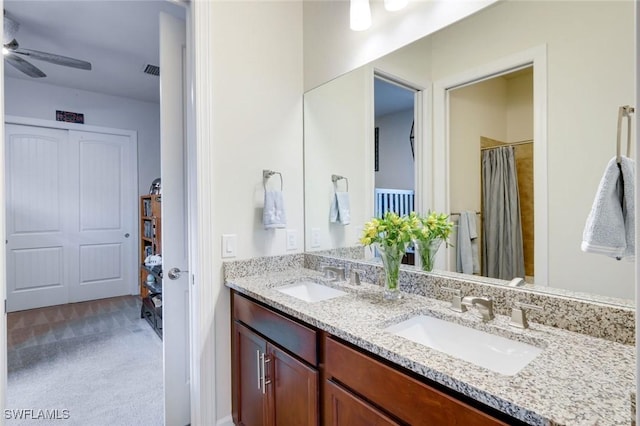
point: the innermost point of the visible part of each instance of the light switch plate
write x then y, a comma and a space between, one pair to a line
315, 237
229, 245
292, 239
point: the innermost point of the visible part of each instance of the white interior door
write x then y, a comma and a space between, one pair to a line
70, 212
103, 225
38, 180
175, 286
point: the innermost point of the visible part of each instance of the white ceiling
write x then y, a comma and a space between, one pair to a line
118, 37
390, 98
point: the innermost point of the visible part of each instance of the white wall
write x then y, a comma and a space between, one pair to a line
332, 49
475, 111
256, 124
396, 169
336, 137
34, 99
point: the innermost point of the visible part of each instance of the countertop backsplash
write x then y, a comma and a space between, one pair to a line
594, 316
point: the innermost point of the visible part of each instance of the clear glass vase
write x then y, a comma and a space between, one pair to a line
427, 251
391, 256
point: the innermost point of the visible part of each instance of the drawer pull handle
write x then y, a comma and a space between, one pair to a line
258, 369
265, 382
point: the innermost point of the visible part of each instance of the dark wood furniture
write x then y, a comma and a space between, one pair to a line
274, 368
382, 387
151, 244
280, 366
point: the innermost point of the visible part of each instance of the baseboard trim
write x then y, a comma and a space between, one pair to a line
225, 421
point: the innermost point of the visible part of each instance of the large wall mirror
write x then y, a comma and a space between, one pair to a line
566, 69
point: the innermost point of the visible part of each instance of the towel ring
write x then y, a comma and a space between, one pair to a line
266, 174
336, 178
624, 111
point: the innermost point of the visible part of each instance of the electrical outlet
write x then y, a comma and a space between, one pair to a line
315, 237
229, 245
292, 239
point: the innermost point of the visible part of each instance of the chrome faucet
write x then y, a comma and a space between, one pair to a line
456, 300
354, 276
518, 314
336, 273
484, 305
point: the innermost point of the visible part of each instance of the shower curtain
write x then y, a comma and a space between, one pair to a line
502, 247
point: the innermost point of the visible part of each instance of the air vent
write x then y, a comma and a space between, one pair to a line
152, 69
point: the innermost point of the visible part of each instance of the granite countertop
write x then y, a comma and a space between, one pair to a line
576, 380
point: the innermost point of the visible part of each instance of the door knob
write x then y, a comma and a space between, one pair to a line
174, 273
126, 235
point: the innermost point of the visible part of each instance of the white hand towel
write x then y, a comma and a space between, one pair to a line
467, 244
610, 227
273, 214
340, 210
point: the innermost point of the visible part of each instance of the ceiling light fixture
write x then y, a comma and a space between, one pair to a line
393, 5
360, 17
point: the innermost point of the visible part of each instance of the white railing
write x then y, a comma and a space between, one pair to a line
400, 201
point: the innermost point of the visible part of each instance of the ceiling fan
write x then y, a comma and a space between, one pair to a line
14, 54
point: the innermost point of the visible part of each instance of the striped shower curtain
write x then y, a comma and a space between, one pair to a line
502, 247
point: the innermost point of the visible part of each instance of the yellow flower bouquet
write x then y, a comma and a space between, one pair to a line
434, 228
391, 235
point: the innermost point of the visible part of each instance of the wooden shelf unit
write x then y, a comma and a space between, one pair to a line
151, 244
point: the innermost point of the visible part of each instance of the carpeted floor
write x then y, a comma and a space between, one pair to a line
90, 364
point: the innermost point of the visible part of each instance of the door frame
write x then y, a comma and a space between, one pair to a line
199, 15
132, 267
537, 57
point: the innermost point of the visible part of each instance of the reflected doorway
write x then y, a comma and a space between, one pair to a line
394, 150
486, 116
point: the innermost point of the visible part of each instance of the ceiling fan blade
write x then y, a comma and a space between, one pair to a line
54, 59
24, 66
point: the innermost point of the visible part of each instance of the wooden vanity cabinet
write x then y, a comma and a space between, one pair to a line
342, 407
281, 366
274, 367
372, 392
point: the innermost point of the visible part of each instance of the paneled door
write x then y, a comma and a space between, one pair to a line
104, 211
69, 215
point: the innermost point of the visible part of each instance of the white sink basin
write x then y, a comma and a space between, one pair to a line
495, 353
310, 291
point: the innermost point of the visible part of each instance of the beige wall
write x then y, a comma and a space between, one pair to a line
332, 49
590, 74
256, 125
520, 110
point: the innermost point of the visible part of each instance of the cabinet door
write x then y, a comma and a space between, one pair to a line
293, 395
249, 407
342, 408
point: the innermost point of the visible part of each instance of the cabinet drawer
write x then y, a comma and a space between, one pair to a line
342, 408
401, 395
289, 334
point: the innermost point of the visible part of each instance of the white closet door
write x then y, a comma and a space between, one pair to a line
103, 223
38, 183
69, 216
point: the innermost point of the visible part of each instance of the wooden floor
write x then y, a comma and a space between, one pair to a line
45, 333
